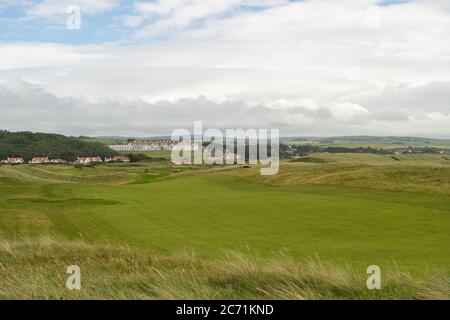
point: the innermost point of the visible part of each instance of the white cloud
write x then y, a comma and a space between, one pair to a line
348, 111
315, 62
132, 21
286, 104
49, 8
23, 56
172, 15
4, 4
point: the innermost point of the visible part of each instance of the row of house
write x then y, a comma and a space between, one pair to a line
155, 145
86, 160
417, 150
401, 151
36, 160
13, 160
80, 160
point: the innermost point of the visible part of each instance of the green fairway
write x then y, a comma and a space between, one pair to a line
210, 214
154, 206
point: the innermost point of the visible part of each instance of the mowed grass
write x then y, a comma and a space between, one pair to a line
211, 214
351, 212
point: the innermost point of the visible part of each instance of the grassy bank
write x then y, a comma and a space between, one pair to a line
36, 269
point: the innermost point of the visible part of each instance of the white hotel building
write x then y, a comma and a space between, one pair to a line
153, 145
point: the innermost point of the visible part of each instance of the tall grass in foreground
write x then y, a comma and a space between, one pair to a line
36, 269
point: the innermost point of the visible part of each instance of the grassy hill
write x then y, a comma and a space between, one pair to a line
344, 212
29, 145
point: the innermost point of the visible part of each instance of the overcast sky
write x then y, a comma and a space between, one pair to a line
140, 68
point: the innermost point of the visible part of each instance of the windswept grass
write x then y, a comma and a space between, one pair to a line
36, 269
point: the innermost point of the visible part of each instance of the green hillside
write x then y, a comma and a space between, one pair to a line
29, 145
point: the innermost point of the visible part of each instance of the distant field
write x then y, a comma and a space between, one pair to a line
348, 209
106, 141
374, 142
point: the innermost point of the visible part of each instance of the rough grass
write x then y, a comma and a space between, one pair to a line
36, 269
420, 173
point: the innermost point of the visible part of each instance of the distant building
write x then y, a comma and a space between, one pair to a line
154, 145
86, 160
14, 160
57, 161
117, 159
189, 146
124, 147
39, 160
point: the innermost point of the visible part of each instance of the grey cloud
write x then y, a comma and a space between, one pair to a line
24, 106
397, 103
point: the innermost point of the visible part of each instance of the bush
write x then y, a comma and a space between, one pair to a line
137, 157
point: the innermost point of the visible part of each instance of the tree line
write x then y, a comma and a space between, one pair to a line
289, 151
29, 145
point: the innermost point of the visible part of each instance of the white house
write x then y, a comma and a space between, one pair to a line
86, 160
117, 159
57, 161
15, 160
39, 160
